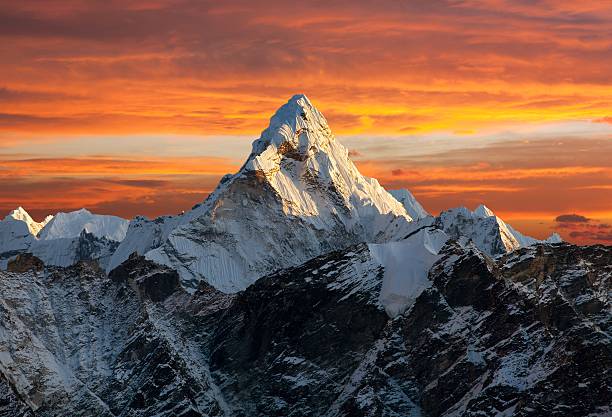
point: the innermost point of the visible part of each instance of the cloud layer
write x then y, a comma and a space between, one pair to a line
204, 67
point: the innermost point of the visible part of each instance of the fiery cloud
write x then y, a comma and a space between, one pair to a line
115, 186
210, 68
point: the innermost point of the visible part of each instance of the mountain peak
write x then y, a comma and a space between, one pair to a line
20, 214
483, 211
554, 238
70, 225
297, 196
296, 130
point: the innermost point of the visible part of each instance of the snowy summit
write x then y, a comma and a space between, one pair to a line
297, 185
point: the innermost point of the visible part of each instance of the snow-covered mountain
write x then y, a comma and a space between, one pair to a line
15, 236
488, 232
61, 240
297, 196
69, 225
410, 203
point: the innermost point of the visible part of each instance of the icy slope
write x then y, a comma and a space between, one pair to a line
70, 250
412, 206
488, 232
142, 236
69, 225
297, 196
406, 267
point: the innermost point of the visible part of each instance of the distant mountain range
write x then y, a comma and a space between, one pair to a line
299, 287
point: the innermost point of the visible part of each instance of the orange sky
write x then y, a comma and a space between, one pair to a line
139, 107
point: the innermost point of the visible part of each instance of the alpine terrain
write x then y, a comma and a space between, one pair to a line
300, 287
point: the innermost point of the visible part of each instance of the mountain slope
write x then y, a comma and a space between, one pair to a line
297, 196
144, 235
526, 334
410, 203
71, 250
77, 343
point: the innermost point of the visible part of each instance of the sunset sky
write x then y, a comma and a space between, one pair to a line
139, 107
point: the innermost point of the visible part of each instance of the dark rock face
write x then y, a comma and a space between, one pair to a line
487, 338
284, 343
79, 344
527, 334
152, 281
25, 262
89, 247
483, 347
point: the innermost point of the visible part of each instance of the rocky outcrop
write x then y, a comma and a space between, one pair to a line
25, 262
151, 281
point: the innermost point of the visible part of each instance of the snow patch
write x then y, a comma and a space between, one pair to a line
406, 267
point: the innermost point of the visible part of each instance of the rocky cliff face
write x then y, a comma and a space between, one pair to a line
526, 334
77, 343
10, 404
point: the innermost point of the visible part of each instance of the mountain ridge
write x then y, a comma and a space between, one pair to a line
298, 177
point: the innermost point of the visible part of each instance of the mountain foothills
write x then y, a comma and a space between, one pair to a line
299, 287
